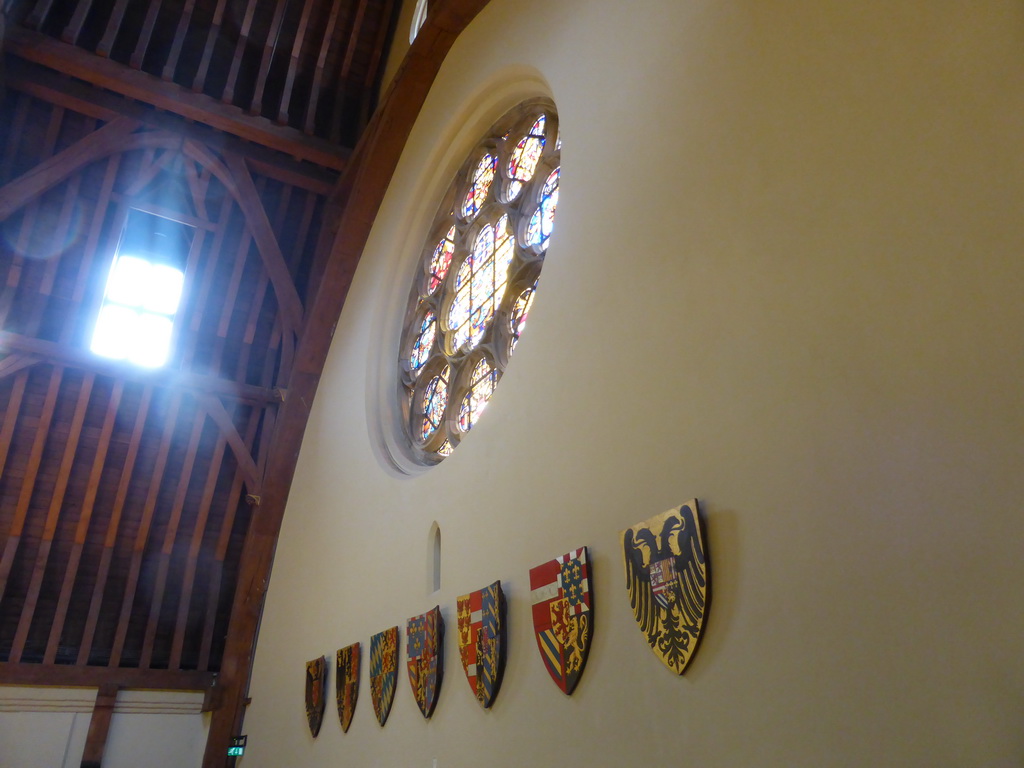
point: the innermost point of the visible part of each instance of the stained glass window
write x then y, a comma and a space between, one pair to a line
517, 320
523, 162
424, 341
480, 284
481, 386
482, 263
480, 185
542, 222
441, 260
434, 402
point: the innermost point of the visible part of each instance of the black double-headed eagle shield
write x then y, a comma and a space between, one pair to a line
347, 683
667, 580
316, 692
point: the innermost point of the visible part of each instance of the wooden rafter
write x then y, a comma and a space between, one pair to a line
113, 526
240, 46
344, 80
16, 362
325, 46
11, 416
45, 84
236, 177
156, 478
192, 562
66, 675
116, 136
53, 352
239, 447
170, 534
37, 48
211, 38
269, 46
293, 62
28, 481
50, 525
82, 527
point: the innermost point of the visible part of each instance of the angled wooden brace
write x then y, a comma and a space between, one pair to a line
246, 464
16, 362
236, 177
114, 137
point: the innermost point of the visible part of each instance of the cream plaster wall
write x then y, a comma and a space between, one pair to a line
787, 280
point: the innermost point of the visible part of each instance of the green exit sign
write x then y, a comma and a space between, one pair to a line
237, 748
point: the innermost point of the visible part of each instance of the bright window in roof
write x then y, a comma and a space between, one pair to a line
143, 292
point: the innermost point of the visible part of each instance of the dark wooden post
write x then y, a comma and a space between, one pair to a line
99, 726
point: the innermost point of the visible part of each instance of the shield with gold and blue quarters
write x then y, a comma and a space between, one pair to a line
482, 642
667, 578
383, 672
316, 692
562, 616
424, 645
347, 683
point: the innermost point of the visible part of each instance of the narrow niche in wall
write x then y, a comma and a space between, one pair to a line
434, 547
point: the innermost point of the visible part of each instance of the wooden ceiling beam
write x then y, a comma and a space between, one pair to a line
82, 528
28, 481
170, 535
155, 479
293, 63
113, 525
47, 85
115, 136
68, 675
99, 725
61, 354
236, 177
373, 71
11, 414
16, 362
212, 34
243, 455
192, 562
269, 48
318, 74
228, 95
40, 49
344, 84
220, 553
50, 526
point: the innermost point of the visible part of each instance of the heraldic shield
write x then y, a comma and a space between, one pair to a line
316, 690
562, 618
347, 683
383, 672
481, 617
667, 578
424, 644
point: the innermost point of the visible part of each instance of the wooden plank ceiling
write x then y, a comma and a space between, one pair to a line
126, 494
139, 509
